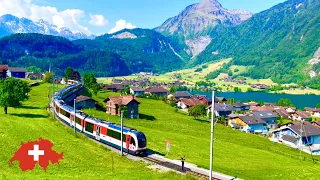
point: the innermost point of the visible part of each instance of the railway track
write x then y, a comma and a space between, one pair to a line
177, 167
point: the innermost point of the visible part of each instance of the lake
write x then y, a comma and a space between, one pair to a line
300, 101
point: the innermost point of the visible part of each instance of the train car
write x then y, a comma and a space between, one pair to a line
134, 142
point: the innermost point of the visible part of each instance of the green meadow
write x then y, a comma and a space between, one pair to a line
83, 158
235, 153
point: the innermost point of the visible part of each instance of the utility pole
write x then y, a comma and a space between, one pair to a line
212, 132
121, 133
74, 117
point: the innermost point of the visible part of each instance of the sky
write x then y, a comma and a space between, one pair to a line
108, 16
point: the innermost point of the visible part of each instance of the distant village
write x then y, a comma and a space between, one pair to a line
300, 132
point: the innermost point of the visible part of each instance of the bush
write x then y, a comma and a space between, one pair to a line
196, 111
236, 70
204, 66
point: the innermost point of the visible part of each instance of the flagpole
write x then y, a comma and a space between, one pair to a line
212, 132
121, 133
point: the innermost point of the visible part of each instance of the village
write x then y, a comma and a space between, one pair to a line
298, 129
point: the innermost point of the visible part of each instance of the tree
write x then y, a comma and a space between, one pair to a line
196, 111
68, 73
48, 77
90, 82
318, 105
13, 92
34, 69
172, 89
285, 102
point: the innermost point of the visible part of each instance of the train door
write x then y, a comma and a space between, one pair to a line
127, 141
98, 133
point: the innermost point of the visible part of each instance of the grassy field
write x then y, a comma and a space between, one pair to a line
83, 159
235, 153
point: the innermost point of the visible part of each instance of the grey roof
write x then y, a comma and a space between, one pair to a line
251, 120
181, 94
223, 107
265, 114
289, 138
240, 104
307, 130
137, 89
14, 69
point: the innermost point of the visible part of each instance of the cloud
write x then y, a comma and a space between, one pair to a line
98, 20
121, 24
70, 18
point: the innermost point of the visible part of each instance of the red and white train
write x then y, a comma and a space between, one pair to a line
134, 142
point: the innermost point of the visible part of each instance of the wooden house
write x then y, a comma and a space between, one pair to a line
157, 90
114, 104
85, 102
17, 72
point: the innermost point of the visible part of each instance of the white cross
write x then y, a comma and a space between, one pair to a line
35, 152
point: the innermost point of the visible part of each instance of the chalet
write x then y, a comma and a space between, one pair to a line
269, 117
113, 105
261, 109
114, 87
85, 102
301, 116
248, 123
206, 100
3, 71
136, 91
282, 113
302, 135
157, 90
17, 72
185, 103
241, 106
220, 110
313, 111
316, 123
181, 94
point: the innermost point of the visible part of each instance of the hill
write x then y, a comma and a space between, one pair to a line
108, 55
83, 159
194, 26
236, 153
278, 42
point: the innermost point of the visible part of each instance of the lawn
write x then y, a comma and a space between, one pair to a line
235, 153
83, 159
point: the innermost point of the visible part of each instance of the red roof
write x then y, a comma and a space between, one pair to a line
122, 100
4, 67
303, 114
191, 102
156, 89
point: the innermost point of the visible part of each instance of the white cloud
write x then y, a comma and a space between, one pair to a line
69, 18
121, 24
98, 20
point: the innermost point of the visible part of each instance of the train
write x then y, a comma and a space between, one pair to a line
134, 142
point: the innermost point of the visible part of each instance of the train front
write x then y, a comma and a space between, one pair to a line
142, 143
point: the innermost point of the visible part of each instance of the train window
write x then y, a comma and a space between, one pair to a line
89, 127
116, 135
78, 120
132, 141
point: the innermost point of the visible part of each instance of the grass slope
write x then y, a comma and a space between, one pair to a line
83, 159
235, 153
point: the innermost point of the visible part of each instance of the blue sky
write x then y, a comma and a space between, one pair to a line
100, 16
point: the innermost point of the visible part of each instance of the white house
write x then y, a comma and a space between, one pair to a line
313, 111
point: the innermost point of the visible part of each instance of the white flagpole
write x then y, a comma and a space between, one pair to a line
212, 133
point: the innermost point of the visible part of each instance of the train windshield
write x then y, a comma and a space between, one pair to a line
142, 141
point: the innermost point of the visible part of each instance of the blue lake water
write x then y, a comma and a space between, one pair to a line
300, 101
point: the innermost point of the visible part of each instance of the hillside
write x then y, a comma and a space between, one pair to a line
108, 55
278, 42
194, 26
236, 153
83, 159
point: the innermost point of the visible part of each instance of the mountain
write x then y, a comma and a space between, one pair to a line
195, 25
278, 42
118, 54
10, 24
